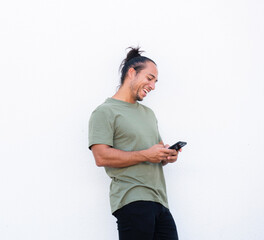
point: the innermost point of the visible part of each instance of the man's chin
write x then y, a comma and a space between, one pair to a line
139, 98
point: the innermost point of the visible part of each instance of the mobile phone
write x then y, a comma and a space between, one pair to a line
177, 146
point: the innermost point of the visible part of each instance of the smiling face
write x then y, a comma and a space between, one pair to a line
144, 81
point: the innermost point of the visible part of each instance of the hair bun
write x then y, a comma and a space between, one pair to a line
134, 52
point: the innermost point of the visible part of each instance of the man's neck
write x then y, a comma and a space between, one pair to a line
122, 95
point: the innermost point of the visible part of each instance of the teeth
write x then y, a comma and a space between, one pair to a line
145, 91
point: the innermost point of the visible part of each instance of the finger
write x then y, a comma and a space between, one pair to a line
163, 157
174, 153
160, 145
168, 151
167, 146
172, 158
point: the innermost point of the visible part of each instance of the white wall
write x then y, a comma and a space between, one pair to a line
60, 59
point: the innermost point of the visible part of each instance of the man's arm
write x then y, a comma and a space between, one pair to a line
110, 157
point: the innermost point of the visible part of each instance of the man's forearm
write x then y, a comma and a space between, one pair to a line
111, 157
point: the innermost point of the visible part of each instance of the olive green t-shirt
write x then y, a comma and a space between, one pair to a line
129, 127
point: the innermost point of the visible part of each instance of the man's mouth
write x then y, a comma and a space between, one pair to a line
146, 91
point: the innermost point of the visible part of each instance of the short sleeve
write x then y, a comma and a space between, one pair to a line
101, 128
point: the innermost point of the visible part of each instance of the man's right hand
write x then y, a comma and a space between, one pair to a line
158, 153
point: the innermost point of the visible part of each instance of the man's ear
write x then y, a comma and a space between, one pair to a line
131, 73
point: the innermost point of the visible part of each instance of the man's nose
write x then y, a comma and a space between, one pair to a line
152, 85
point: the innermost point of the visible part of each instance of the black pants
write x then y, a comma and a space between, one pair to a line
145, 220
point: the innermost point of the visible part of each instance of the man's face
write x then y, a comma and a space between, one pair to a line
144, 81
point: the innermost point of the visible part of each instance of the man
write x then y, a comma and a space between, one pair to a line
124, 138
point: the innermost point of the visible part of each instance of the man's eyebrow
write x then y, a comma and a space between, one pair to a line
153, 76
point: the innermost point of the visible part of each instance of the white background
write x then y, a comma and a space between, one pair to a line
59, 60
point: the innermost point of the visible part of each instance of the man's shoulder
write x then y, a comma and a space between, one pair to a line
101, 111
105, 106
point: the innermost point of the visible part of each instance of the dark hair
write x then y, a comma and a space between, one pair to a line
133, 60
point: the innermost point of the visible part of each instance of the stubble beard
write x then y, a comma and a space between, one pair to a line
138, 97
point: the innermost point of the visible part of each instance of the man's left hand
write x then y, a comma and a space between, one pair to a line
172, 158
